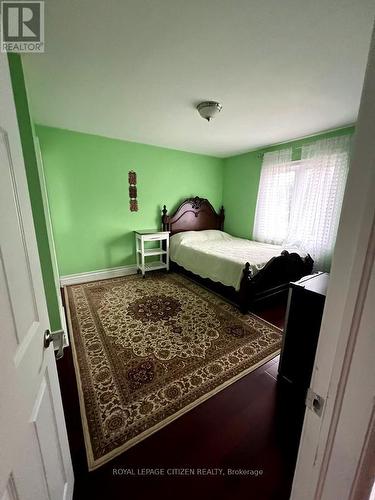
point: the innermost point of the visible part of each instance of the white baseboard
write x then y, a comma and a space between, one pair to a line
102, 274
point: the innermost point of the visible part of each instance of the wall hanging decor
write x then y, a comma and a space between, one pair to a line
133, 203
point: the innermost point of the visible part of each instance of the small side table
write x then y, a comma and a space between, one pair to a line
141, 237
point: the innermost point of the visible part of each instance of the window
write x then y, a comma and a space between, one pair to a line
299, 203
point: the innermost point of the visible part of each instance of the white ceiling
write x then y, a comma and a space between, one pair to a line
135, 69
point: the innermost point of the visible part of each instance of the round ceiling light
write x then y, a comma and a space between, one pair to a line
209, 109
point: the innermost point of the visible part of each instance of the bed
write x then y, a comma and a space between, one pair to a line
245, 271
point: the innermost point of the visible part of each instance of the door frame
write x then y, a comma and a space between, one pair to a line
51, 239
345, 330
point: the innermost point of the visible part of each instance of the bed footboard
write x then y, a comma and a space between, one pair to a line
273, 278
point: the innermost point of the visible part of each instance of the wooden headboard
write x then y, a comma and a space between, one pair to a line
194, 214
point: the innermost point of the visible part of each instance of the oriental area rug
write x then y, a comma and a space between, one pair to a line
146, 351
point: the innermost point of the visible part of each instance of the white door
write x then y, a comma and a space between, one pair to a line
35, 461
333, 445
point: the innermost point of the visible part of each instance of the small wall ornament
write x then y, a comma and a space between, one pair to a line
133, 203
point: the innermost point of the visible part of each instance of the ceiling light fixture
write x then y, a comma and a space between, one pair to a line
209, 109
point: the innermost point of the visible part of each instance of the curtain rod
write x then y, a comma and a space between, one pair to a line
343, 137
312, 140
260, 155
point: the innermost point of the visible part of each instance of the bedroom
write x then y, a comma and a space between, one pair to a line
110, 134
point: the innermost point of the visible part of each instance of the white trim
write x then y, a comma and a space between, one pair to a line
50, 235
101, 274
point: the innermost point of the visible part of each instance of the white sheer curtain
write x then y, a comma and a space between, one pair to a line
299, 202
274, 196
317, 198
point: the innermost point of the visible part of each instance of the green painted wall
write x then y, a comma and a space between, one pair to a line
241, 181
87, 182
27, 140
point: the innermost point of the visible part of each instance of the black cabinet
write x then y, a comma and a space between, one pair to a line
303, 318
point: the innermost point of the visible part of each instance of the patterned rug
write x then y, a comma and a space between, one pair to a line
148, 350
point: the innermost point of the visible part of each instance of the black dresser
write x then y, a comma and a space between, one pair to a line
303, 318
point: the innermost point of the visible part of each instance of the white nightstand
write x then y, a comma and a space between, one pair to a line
152, 235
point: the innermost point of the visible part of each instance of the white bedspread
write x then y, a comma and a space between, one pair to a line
220, 256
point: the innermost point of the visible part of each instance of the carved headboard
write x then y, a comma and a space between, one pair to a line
194, 214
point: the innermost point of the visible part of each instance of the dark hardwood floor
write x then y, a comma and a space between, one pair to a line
252, 425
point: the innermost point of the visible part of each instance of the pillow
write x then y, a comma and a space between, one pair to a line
214, 234
197, 236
